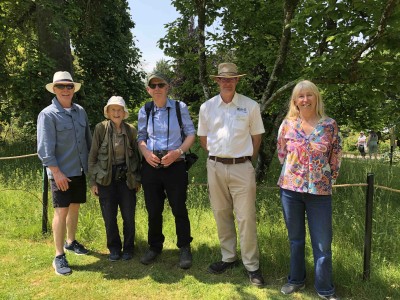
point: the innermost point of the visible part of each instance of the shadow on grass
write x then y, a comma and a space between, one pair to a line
165, 269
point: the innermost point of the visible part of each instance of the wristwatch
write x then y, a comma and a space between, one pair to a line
180, 150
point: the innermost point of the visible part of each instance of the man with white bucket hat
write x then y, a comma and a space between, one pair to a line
63, 144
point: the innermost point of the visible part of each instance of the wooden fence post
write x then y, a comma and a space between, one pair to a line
368, 226
45, 200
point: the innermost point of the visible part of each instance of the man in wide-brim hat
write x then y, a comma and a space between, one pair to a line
63, 143
227, 70
230, 129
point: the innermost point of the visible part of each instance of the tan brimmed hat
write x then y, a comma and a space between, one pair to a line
62, 77
227, 70
116, 100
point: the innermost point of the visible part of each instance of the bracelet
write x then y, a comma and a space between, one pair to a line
180, 150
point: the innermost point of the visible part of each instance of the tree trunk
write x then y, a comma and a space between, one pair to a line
273, 122
54, 41
53, 34
201, 40
268, 146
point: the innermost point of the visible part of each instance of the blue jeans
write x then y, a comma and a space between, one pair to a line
318, 208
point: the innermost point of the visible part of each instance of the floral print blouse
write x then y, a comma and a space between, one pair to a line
310, 162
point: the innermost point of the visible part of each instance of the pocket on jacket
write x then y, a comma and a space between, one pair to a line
103, 148
100, 175
102, 161
130, 151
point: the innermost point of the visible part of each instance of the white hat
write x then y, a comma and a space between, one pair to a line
62, 77
116, 100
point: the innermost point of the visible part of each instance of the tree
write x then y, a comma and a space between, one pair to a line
92, 39
107, 58
24, 68
185, 42
346, 47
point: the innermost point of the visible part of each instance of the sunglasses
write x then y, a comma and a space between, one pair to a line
154, 85
63, 86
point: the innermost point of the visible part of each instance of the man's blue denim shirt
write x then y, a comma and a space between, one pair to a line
64, 138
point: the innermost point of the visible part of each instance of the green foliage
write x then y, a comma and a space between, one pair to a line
181, 44
349, 144
329, 45
106, 59
346, 48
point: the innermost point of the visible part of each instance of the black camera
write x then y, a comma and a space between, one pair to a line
160, 154
190, 159
120, 172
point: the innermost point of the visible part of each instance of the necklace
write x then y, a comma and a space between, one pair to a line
117, 137
308, 126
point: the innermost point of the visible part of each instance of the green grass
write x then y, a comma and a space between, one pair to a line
26, 254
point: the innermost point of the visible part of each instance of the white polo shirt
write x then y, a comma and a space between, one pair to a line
229, 127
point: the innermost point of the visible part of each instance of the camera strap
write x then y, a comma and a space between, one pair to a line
149, 108
152, 121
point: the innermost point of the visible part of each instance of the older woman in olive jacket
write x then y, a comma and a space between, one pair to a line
114, 168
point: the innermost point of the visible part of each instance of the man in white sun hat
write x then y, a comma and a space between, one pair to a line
63, 144
230, 129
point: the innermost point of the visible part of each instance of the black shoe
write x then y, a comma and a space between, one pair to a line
76, 247
221, 266
60, 265
127, 256
149, 257
256, 278
114, 256
185, 257
290, 288
330, 297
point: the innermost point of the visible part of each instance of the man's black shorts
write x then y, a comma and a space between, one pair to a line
76, 192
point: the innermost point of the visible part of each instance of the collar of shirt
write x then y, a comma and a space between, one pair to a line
164, 134
168, 104
123, 129
235, 100
61, 109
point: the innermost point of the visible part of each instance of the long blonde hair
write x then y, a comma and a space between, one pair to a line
305, 85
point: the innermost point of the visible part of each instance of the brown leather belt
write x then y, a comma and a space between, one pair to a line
230, 161
179, 159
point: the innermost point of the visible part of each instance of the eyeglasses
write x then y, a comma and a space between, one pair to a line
154, 85
63, 86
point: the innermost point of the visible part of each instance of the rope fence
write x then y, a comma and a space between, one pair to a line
19, 156
370, 188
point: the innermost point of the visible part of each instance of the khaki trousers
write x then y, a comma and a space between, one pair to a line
232, 192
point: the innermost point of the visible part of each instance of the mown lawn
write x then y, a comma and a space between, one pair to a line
26, 254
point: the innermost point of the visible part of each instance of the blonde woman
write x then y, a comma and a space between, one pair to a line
309, 149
